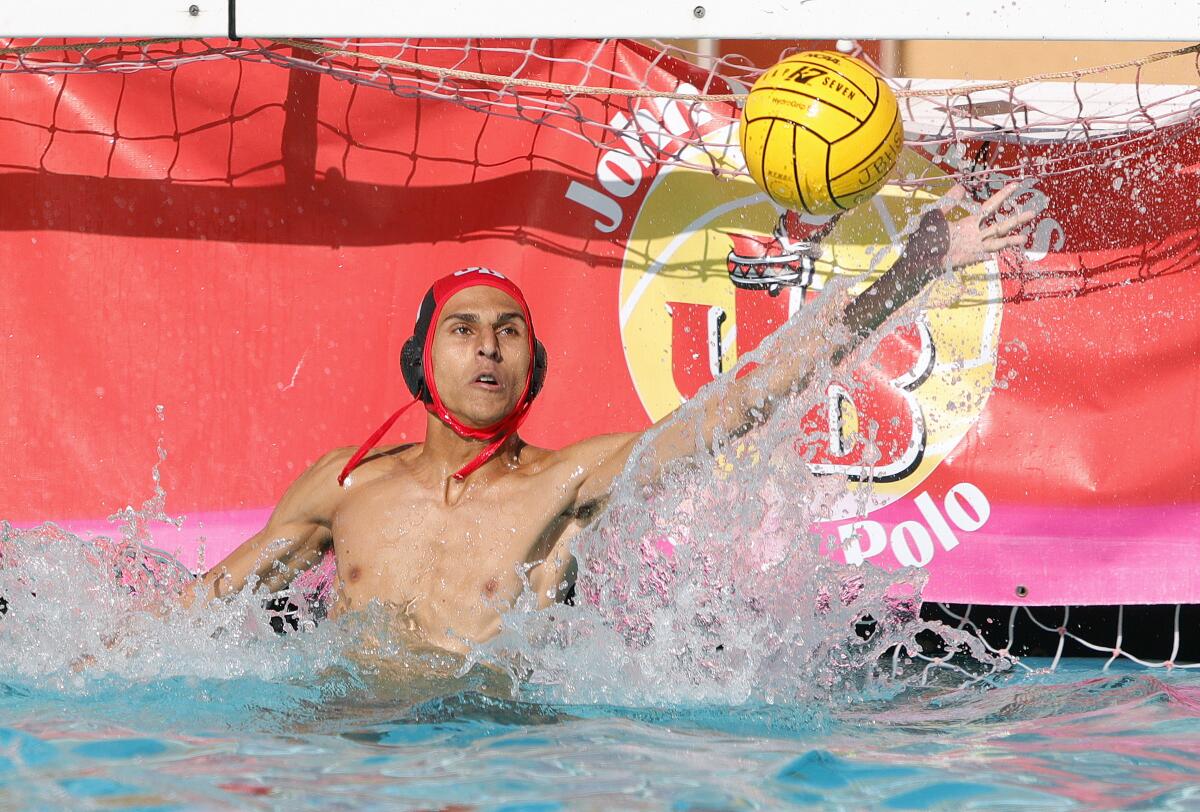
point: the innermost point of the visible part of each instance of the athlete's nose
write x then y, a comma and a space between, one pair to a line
489, 347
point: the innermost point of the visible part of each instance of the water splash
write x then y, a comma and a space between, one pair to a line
78, 610
110, 618
704, 581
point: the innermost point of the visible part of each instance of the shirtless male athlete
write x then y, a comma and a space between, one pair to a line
439, 530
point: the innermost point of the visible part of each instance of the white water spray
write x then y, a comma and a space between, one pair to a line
704, 582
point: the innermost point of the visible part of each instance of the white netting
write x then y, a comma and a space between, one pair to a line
496, 78
1153, 636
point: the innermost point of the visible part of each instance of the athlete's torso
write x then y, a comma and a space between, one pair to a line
452, 557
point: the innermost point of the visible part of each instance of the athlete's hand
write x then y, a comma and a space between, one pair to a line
989, 227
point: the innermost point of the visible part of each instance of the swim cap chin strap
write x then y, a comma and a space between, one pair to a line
495, 434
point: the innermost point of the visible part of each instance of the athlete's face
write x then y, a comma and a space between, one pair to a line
480, 355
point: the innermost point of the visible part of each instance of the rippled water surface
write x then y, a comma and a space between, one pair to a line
1073, 739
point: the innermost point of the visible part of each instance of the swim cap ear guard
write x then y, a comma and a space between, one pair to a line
412, 357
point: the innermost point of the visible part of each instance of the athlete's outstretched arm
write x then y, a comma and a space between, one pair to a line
296, 536
937, 245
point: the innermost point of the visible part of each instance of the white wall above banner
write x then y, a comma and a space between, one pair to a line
766, 19
115, 18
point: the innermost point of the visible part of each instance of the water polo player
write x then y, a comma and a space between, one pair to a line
439, 530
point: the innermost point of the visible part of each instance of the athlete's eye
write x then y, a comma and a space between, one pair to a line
461, 329
509, 331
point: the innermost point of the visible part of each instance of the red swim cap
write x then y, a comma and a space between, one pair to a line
416, 363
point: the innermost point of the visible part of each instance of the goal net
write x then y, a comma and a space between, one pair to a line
573, 86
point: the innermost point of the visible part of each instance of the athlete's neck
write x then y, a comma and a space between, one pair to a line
446, 452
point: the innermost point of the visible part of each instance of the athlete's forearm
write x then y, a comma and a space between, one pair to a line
750, 400
216, 583
760, 391
269, 560
922, 261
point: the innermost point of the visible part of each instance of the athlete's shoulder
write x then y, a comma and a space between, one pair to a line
590, 452
381, 460
333, 457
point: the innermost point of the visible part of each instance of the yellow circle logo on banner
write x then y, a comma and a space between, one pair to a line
820, 132
683, 323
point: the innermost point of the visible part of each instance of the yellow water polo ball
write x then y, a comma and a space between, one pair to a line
821, 131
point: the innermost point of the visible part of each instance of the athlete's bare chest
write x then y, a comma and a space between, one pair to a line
397, 519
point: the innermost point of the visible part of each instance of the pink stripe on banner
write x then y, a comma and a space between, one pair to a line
1110, 555
1038, 556
216, 532
1065, 556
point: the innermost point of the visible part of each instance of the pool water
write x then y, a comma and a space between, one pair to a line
1075, 738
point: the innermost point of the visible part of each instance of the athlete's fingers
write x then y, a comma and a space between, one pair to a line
993, 203
993, 244
1017, 220
1009, 224
996, 239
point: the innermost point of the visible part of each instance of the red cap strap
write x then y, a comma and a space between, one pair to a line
366, 447
513, 423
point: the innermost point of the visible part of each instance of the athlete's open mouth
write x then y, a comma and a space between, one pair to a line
486, 381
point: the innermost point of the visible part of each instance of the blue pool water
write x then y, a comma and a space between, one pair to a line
1072, 739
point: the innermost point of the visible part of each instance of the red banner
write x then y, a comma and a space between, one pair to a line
245, 247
